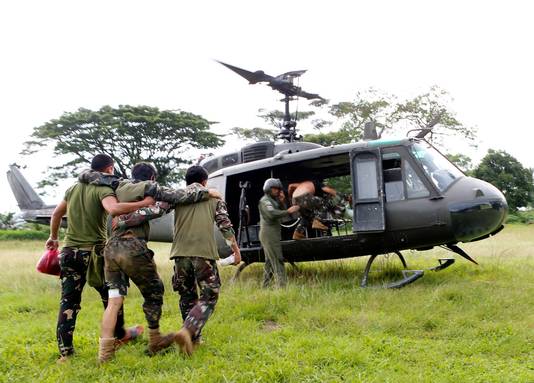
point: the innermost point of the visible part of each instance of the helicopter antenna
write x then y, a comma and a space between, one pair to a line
284, 84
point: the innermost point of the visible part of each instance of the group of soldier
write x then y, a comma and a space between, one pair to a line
108, 264
88, 256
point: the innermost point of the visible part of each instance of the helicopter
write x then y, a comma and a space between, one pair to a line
405, 194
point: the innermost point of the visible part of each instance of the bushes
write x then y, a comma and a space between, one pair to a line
23, 235
521, 217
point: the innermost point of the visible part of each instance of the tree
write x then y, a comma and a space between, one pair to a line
256, 134
507, 174
426, 111
129, 134
368, 106
7, 221
462, 161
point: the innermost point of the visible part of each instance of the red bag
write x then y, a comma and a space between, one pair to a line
49, 262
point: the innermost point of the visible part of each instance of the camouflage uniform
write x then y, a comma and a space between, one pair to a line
126, 254
310, 207
74, 264
195, 252
271, 215
86, 232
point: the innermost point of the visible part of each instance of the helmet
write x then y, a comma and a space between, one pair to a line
272, 183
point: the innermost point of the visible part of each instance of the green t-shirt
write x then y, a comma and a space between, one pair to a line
193, 231
86, 217
133, 191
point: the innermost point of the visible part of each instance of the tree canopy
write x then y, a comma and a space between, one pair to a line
507, 174
129, 134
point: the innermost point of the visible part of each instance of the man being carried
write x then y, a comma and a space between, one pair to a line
194, 251
86, 207
128, 257
312, 198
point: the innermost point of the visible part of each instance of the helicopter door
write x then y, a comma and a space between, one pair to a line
367, 190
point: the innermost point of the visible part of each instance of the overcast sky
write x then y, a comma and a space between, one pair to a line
57, 56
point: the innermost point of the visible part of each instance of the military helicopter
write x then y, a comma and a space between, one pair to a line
405, 194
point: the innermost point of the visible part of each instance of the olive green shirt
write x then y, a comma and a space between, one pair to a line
133, 191
193, 228
86, 217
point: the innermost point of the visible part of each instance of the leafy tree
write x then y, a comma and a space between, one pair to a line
462, 161
507, 174
129, 134
7, 221
368, 106
256, 134
427, 111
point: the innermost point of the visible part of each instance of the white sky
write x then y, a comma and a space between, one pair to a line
57, 56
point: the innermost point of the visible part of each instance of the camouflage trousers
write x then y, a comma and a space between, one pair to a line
130, 258
74, 264
190, 272
310, 207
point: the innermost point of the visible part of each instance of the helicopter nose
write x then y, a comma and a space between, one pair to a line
480, 213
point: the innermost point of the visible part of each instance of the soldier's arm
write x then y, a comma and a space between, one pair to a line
222, 220
192, 194
97, 178
140, 216
55, 222
115, 207
270, 212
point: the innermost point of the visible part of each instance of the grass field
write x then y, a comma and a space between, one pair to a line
464, 324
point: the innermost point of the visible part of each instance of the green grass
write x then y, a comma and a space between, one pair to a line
464, 324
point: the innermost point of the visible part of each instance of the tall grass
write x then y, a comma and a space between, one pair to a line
467, 323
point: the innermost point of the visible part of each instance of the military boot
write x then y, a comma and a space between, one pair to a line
183, 338
298, 235
106, 349
158, 342
318, 225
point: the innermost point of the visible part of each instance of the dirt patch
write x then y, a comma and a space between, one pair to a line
270, 326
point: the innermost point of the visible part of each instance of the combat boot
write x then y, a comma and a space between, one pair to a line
318, 225
158, 342
183, 338
298, 235
106, 349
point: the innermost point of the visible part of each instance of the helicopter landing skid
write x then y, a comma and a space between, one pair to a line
443, 264
409, 276
238, 271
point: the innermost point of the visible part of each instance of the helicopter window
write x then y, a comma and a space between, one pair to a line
394, 188
367, 183
415, 188
436, 166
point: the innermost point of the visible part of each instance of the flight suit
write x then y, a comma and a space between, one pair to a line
271, 214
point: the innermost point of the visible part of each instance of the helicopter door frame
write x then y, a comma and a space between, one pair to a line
367, 190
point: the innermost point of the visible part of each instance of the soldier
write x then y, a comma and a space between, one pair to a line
272, 212
86, 207
314, 199
194, 251
127, 256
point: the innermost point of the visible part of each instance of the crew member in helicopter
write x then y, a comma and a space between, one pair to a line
272, 213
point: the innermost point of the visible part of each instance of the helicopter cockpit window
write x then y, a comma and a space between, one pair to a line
394, 188
415, 188
436, 166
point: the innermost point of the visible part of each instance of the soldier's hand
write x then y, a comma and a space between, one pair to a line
237, 258
213, 193
147, 201
293, 209
52, 244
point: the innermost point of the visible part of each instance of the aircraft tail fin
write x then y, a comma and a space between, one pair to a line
26, 197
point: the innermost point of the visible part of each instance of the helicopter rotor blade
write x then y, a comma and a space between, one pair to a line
252, 77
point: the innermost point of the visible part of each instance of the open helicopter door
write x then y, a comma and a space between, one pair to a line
367, 190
